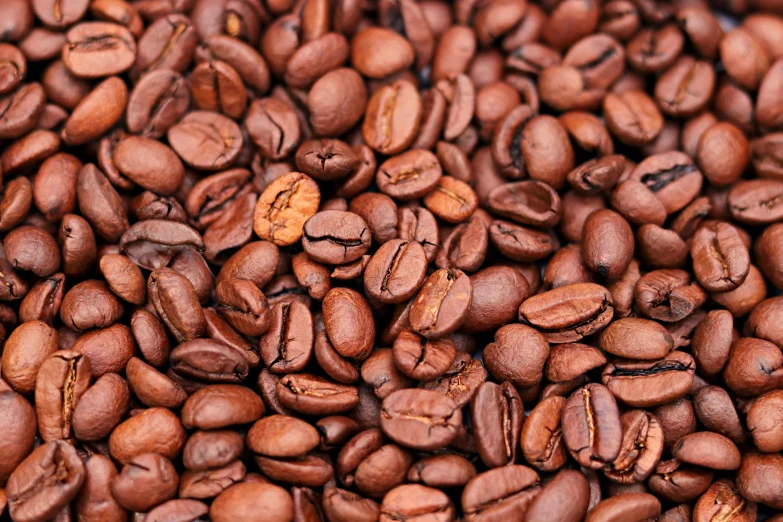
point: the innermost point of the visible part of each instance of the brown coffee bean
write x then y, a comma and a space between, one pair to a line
205, 140
146, 481
284, 207
668, 295
592, 429
97, 49
152, 387
266, 500
54, 465
282, 436
18, 439
442, 303
392, 118
396, 271
26, 349
177, 303
646, 384
221, 405
504, 492
755, 202
42, 302
420, 419
21, 110
210, 361
211, 449
499, 415
32, 248
420, 358
101, 408
336, 237
634, 338
707, 449
330, 116
628, 506
288, 344
313, 395
64, 377
568, 313
608, 243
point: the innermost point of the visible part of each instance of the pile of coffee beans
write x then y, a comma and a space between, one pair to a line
391, 260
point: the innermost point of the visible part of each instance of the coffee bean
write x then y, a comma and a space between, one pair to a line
98, 49
420, 419
507, 492
55, 464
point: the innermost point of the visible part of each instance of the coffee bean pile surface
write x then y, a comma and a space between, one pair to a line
391, 260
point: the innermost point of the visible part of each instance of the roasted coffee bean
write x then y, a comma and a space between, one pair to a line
97, 49
499, 414
668, 295
396, 271
592, 429
648, 384
101, 408
421, 358
501, 492
45, 482
568, 313
313, 395
512, 220
420, 419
